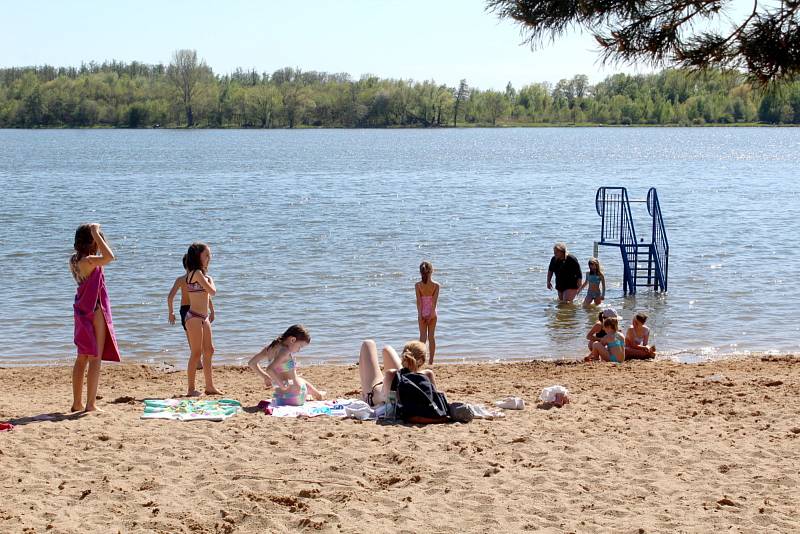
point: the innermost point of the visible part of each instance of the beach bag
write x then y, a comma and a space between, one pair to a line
418, 401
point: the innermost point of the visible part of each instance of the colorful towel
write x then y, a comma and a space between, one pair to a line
332, 408
191, 409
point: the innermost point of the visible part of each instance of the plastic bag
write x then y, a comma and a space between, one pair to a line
555, 395
359, 410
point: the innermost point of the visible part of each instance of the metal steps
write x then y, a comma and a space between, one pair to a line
644, 264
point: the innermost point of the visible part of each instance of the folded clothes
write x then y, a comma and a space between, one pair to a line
482, 412
511, 403
332, 408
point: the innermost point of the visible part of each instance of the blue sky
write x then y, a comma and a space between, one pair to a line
444, 40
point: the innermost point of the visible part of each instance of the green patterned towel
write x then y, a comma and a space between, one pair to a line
191, 409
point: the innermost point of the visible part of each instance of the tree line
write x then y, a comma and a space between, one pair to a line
186, 92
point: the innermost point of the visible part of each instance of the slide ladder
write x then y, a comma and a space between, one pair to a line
643, 264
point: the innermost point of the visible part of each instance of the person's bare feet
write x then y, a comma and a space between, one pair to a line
192, 393
213, 391
77, 408
93, 409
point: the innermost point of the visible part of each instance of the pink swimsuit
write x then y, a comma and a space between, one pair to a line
92, 294
428, 311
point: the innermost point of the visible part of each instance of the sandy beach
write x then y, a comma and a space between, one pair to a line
643, 447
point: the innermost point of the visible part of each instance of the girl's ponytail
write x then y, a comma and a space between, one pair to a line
414, 355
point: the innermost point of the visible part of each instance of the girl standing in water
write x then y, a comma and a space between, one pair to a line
427, 292
201, 288
596, 281
94, 329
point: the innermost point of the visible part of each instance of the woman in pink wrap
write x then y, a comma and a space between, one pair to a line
94, 329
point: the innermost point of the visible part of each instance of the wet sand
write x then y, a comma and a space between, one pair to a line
643, 447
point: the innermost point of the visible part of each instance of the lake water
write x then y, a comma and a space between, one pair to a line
327, 227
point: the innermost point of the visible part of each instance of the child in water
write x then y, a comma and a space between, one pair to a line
610, 348
180, 284
281, 373
596, 281
94, 328
427, 292
200, 288
636, 339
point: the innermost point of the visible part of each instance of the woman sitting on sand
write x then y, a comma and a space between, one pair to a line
375, 386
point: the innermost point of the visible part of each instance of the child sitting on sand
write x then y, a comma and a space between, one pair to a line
281, 373
597, 333
596, 281
636, 339
612, 347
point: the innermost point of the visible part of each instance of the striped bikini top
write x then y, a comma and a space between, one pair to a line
193, 287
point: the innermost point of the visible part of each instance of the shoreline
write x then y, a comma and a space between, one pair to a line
658, 446
693, 357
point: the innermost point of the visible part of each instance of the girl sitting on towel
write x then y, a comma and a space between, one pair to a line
94, 329
427, 292
281, 373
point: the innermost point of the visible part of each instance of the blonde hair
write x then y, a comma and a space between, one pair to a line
425, 271
596, 262
414, 355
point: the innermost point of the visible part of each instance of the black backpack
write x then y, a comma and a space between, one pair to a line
417, 399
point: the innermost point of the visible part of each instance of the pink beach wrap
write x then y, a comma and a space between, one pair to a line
89, 293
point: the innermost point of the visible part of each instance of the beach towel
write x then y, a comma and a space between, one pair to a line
331, 408
191, 409
90, 293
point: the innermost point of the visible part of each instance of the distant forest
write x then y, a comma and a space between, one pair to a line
187, 93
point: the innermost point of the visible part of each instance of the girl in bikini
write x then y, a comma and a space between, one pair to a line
200, 288
427, 292
281, 374
597, 333
612, 347
636, 339
596, 281
180, 284
375, 386
94, 328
